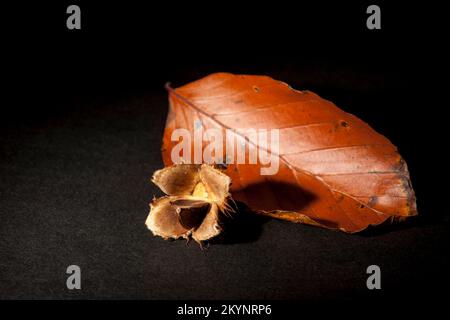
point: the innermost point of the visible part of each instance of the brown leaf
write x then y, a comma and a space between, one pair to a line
335, 171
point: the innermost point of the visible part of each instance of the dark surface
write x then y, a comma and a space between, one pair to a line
81, 134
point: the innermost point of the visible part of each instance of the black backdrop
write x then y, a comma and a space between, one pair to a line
82, 118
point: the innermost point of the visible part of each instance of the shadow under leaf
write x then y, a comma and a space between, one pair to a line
242, 226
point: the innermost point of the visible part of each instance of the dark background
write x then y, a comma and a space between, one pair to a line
82, 117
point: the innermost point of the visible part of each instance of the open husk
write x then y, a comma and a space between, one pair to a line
196, 198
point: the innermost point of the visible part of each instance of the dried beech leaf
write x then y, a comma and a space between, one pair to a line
335, 171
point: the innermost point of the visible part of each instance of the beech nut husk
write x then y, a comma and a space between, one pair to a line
197, 198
